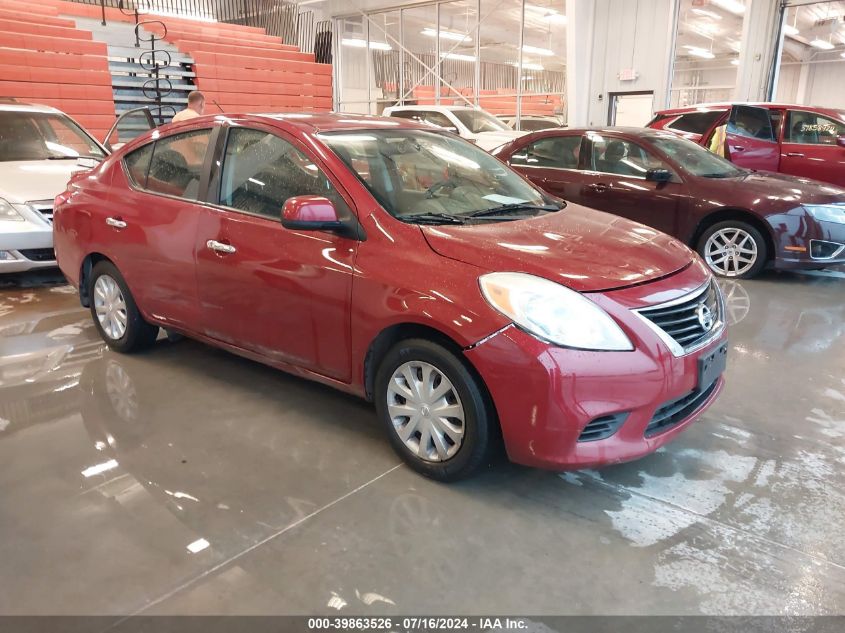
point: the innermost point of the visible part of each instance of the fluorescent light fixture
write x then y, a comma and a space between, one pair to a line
788, 29
822, 44
458, 56
734, 62
554, 17
538, 51
198, 545
734, 6
529, 66
699, 52
356, 42
446, 35
99, 468
842, 54
707, 14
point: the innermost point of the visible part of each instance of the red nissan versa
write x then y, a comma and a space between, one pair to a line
792, 139
408, 267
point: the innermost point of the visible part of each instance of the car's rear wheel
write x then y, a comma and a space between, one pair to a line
733, 249
115, 313
435, 409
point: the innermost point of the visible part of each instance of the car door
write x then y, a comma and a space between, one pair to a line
614, 180
153, 223
810, 147
277, 292
750, 138
551, 163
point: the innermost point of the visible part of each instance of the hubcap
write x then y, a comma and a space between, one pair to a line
426, 411
730, 252
110, 307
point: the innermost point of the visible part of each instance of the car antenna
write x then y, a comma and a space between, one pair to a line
218, 106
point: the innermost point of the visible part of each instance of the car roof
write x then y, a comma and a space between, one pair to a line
15, 106
724, 105
618, 129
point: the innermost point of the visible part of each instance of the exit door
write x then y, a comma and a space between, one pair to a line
633, 109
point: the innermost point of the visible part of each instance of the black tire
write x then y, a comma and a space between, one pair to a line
139, 334
480, 431
755, 235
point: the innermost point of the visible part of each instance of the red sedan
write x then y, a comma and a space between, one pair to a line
408, 267
740, 221
792, 139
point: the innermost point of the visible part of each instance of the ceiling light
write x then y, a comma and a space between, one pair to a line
707, 14
458, 56
706, 28
446, 35
822, 44
788, 29
699, 52
842, 54
554, 17
538, 51
734, 62
356, 42
734, 6
529, 66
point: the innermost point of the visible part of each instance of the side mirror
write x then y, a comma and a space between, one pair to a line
840, 140
310, 213
658, 175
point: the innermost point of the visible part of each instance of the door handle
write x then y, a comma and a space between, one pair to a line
220, 247
597, 187
737, 148
798, 154
116, 223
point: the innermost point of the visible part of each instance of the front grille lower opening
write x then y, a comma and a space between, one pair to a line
603, 427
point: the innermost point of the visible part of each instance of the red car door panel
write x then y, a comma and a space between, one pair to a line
810, 147
281, 293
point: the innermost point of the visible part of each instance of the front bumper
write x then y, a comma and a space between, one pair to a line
25, 246
546, 395
817, 245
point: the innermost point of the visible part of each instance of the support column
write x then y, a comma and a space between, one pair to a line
760, 41
579, 53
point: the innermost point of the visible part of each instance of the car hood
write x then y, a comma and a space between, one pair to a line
25, 180
771, 188
581, 248
492, 140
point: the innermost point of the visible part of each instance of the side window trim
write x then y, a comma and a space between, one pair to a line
215, 184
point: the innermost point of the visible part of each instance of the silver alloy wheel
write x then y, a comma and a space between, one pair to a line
730, 252
110, 306
426, 411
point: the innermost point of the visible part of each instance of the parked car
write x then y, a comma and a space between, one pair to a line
40, 147
738, 220
467, 308
793, 139
533, 123
473, 124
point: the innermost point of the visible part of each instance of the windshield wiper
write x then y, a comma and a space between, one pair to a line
432, 218
504, 209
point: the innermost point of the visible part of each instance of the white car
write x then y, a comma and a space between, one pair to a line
40, 147
473, 124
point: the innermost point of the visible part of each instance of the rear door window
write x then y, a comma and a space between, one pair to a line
176, 165
751, 122
695, 122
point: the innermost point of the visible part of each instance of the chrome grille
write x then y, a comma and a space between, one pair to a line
44, 207
689, 321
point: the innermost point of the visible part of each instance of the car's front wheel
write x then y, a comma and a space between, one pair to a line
436, 411
733, 249
115, 313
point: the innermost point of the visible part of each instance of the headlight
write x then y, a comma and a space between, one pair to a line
553, 312
9, 213
827, 212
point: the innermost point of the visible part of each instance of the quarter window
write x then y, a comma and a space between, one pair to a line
812, 129
751, 123
176, 164
559, 152
261, 171
616, 156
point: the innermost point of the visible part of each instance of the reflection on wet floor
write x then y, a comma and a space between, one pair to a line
187, 480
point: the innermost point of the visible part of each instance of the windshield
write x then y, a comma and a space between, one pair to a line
695, 159
478, 121
43, 136
427, 176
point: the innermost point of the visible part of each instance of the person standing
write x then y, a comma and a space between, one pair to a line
196, 107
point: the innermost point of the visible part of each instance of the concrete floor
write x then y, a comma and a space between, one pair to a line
114, 468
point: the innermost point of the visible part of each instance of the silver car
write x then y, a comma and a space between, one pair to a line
40, 147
